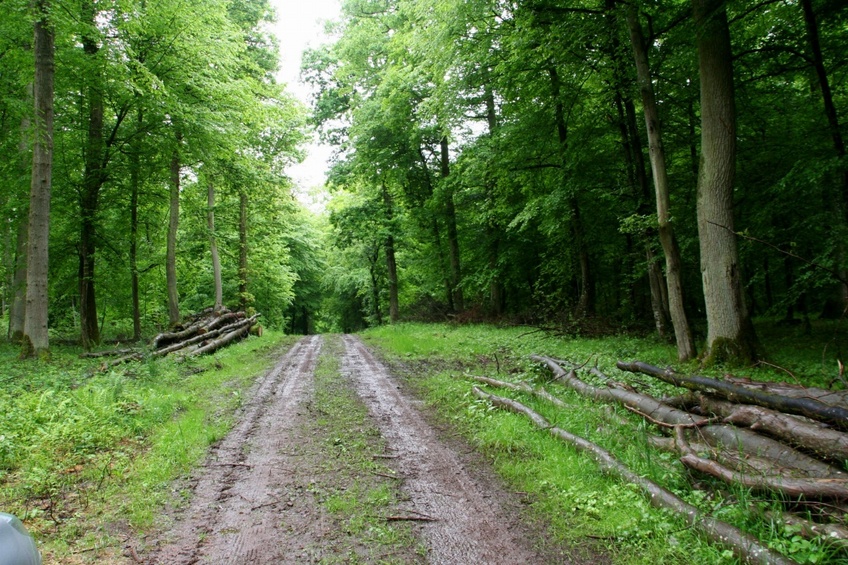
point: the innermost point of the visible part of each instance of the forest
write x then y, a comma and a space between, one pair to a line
671, 167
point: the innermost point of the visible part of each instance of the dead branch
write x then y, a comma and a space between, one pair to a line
741, 544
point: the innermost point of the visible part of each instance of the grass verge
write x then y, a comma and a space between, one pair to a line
354, 485
88, 456
583, 508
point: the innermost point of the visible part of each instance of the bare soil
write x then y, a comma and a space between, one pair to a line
253, 501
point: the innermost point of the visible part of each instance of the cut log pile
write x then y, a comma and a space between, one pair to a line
205, 332
767, 437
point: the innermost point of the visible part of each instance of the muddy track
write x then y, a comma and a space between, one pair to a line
251, 502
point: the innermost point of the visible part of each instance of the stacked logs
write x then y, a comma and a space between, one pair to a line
773, 437
205, 332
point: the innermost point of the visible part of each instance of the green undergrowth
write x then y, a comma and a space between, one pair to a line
89, 454
584, 508
355, 485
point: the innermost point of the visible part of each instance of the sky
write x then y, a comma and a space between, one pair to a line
300, 24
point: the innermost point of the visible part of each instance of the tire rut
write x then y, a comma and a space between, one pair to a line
469, 526
240, 493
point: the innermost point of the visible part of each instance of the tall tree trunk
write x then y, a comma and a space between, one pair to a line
496, 294
836, 136
586, 298
391, 263
682, 331
92, 181
36, 342
373, 257
135, 180
173, 226
244, 297
17, 280
453, 236
730, 334
213, 247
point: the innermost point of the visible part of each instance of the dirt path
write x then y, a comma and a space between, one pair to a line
252, 501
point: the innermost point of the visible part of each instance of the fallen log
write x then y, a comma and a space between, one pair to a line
807, 488
720, 435
744, 546
106, 353
809, 407
834, 535
831, 397
803, 434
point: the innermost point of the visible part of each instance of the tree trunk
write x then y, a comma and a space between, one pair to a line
17, 287
92, 181
135, 180
453, 237
586, 298
682, 332
391, 264
242, 268
213, 247
836, 135
173, 225
730, 334
35, 339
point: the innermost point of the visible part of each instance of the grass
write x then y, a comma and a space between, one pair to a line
565, 488
354, 487
89, 455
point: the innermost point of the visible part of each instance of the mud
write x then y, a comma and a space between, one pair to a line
252, 501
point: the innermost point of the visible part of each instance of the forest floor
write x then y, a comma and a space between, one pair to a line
391, 486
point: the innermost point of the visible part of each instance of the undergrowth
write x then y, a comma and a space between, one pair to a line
88, 454
583, 507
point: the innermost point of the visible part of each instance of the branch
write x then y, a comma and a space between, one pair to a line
813, 264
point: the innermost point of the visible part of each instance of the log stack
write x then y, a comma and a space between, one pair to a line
204, 332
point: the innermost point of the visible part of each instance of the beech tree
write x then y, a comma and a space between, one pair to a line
36, 341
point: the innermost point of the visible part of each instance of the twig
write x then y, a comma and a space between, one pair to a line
787, 371
245, 465
697, 424
410, 518
832, 273
386, 475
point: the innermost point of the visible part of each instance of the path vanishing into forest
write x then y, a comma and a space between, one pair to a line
252, 503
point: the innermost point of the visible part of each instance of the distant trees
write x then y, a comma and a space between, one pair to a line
156, 103
524, 115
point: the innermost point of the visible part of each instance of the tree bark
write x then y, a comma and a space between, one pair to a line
730, 334
213, 248
135, 180
741, 544
36, 342
244, 297
453, 236
391, 263
173, 226
682, 331
92, 181
812, 437
808, 407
